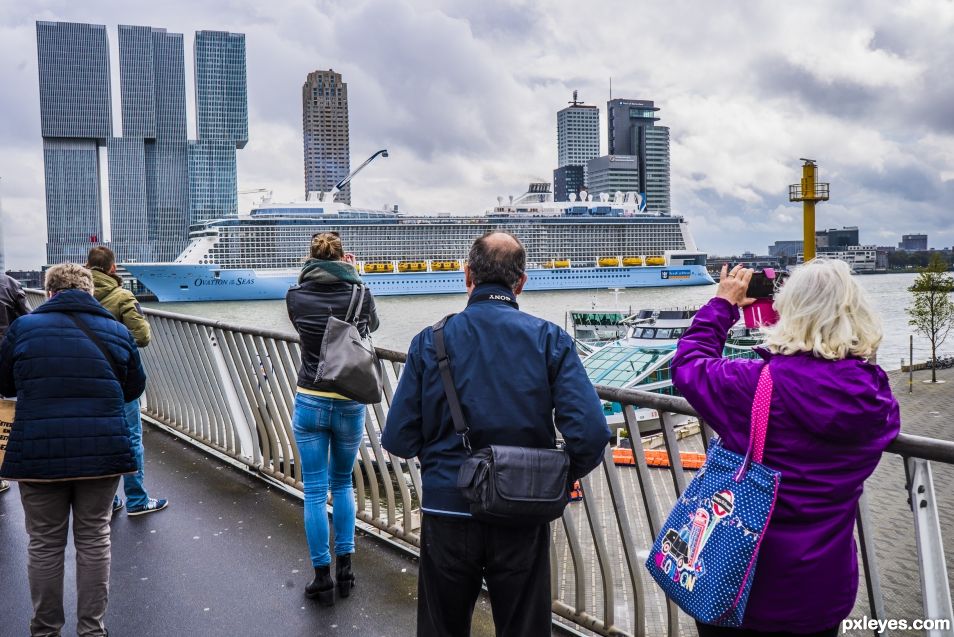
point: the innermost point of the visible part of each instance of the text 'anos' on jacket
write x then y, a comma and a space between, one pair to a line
517, 377
69, 421
829, 422
122, 304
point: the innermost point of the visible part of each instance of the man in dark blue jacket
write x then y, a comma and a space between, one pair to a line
517, 376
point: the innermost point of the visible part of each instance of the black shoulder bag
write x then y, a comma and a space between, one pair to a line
511, 486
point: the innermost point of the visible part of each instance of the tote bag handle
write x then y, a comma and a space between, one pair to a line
759, 425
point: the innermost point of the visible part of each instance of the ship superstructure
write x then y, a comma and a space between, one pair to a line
584, 243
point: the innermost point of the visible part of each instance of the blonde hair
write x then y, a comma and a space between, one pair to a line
823, 310
326, 246
68, 276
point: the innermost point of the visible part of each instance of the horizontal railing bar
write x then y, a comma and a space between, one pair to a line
912, 446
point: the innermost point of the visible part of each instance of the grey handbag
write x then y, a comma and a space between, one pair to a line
347, 360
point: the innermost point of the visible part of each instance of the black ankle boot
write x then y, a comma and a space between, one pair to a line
322, 587
344, 575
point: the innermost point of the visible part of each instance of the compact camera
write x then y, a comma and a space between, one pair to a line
762, 287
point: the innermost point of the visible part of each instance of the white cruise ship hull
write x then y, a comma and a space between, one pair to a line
206, 282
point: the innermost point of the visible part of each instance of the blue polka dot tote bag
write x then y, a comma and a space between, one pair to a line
705, 555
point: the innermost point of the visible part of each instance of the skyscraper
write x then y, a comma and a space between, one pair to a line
632, 130
158, 181
324, 100
578, 141
148, 166
222, 124
75, 121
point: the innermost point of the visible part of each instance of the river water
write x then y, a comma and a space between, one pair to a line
403, 316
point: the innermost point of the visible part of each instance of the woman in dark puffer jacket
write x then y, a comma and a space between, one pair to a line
328, 425
69, 444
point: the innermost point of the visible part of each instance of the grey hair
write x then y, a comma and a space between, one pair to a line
68, 276
823, 310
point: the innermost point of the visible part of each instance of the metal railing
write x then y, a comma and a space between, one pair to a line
230, 389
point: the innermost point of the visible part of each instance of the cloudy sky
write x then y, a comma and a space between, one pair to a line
464, 95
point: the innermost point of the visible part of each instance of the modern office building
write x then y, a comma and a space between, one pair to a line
578, 139
835, 239
568, 180
613, 173
787, 249
221, 91
632, 131
76, 123
324, 99
149, 187
911, 242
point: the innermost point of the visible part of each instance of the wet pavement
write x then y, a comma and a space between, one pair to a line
227, 558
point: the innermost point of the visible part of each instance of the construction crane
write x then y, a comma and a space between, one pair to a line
808, 192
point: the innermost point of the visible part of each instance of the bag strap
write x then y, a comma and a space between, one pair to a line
758, 428
453, 401
97, 342
354, 307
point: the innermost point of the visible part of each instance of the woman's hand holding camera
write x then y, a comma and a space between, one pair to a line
734, 285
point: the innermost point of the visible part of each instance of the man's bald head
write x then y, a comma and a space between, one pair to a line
497, 257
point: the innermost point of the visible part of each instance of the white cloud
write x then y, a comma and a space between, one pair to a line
464, 96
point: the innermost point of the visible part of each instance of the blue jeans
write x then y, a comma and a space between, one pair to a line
132, 484
328, 432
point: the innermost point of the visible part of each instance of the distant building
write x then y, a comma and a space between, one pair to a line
578, 138
835, 239
567, 180
613, 173
325, 133
632, 130
913, 242
28, 278
787, 249
860, 258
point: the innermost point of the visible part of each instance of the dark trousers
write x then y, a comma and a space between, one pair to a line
705, 630
458, 553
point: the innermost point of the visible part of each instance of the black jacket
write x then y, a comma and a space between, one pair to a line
12, 302
309, 306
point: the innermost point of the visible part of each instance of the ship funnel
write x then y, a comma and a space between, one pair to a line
499, 200
572, 196
511, 200
618, 197
583, 195
604, 197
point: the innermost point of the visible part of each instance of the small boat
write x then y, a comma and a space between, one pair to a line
557, 263
444, 266
377, 267
632, 261
655, 260
412, 266
608, 262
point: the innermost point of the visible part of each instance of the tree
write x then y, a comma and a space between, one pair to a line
932, 313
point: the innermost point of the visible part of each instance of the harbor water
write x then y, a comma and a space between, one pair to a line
404, 316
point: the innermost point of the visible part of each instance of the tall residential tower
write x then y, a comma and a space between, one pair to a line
324, 100
578, 141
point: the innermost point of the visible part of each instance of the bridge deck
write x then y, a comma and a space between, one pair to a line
227, 558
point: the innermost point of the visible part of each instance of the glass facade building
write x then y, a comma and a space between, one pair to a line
578, 141
632, 130
212, 180
221, 94
150, 186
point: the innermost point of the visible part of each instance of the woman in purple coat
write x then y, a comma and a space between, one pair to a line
832, 415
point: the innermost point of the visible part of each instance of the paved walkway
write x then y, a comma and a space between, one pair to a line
228, 558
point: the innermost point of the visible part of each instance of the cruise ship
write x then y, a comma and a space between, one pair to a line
585, 243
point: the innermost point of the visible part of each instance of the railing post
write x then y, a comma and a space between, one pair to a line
935, 587
245, 431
